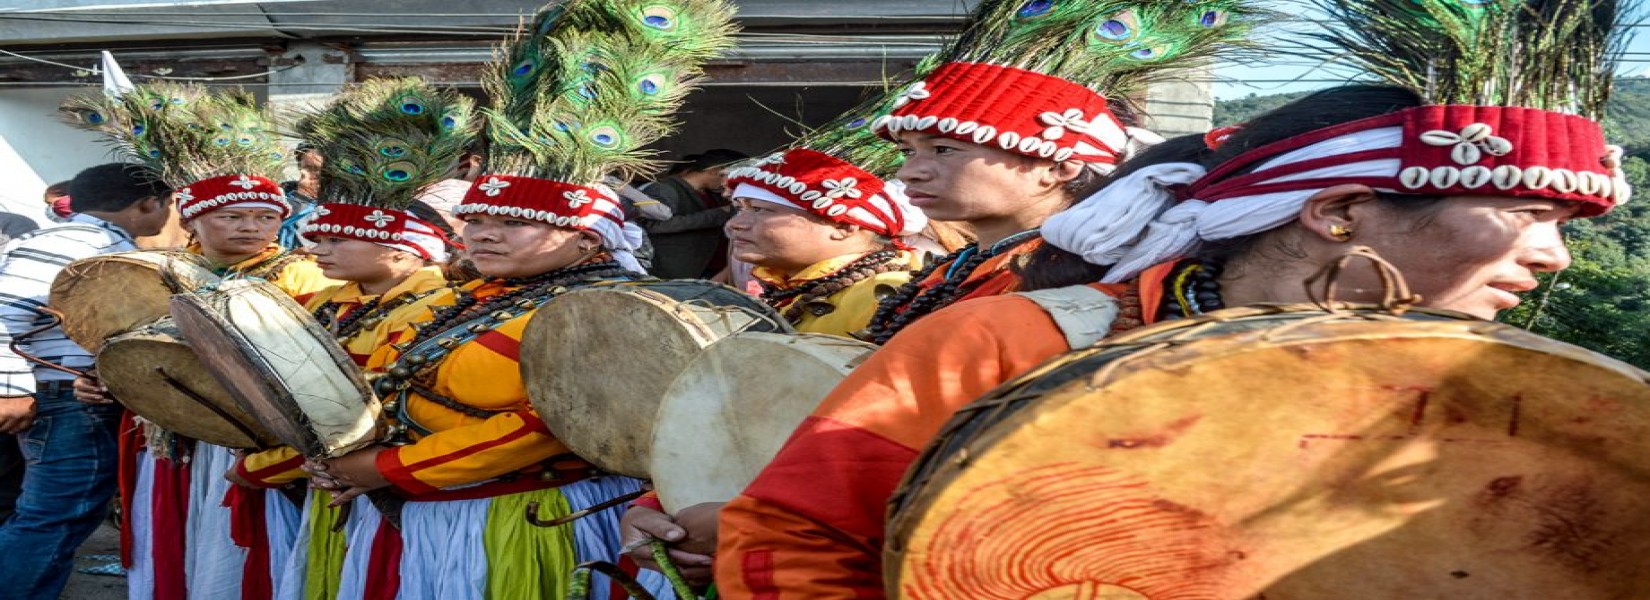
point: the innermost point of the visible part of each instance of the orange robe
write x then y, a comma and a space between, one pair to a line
811, 524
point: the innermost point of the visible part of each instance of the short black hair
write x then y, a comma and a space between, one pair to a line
113, 187
707, 160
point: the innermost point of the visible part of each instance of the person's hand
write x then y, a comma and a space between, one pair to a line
347, 476
91, 391
234, 476
641, 524
16, 413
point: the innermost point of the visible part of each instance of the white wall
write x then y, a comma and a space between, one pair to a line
37, 150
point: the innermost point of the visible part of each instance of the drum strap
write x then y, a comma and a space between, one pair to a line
1084, 314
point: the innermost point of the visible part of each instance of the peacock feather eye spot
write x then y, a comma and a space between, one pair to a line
1213, 18
157, 104
178, 101
662, 18
605, 137
222, 142
245, 141
522, 68
154, 154
1114, 29
449, 122
393, 151
397, 175
651, 84
96, 118
857, 123
412, 108
356, 169
1144, 54
1034, 9
138, 129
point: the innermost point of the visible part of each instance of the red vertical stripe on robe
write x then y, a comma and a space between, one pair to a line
246, 529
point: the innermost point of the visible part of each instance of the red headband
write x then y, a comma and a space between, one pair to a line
226, 191
826, 186
1021, 111
1445, 150
388, 227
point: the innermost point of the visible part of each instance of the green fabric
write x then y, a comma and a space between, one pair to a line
324, 559
525, 561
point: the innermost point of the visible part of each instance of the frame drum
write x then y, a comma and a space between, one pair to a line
160, 378
597, 360
284, 368
1290, 454
727, 414
104, 296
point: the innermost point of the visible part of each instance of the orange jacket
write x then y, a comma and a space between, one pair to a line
811, 525
483, 373
276, 467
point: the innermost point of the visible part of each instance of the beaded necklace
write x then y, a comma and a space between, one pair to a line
795, 301
527, 290
917, 301
366, 315
1194, 289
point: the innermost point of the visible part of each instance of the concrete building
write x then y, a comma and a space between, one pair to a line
799, 62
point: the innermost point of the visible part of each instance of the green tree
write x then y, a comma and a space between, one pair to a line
1602, 302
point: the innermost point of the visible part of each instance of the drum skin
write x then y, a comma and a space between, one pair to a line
598, 360
282, 366
104, 296
1287, 454
727, 414
131, 365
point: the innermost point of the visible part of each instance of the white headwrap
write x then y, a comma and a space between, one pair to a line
1134, 222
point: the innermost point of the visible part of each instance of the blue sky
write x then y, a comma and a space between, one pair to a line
1281, 74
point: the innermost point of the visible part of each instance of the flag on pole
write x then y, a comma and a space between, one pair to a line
115, 82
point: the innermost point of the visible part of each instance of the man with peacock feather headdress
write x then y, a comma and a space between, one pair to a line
386, 140
219, 151
574, 98
1008, 125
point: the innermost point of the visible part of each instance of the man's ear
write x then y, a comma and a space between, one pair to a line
1332, 214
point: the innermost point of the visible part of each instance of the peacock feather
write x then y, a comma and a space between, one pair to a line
1554, 55
385, 139
184, 132
587, 84
1115, 47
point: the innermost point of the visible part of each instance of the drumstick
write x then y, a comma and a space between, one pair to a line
533, 511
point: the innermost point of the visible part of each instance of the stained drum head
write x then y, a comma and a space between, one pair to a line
597, 360
107, 295
1290, 455
284, 368
146, 370
735, 404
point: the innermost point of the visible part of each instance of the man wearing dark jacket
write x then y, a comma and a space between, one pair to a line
690, 244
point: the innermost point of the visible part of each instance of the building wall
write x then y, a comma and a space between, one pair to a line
36, 149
